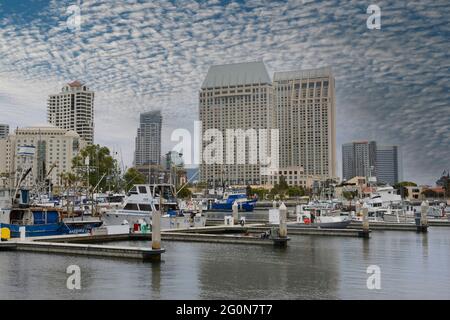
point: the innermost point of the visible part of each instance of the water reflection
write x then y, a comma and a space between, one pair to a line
300, 271
156, 281
425, 246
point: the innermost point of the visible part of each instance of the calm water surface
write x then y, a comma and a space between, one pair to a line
413, 266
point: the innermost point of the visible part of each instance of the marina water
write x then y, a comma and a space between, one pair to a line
413, 266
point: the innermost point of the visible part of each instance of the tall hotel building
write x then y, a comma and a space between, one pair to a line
73, 109
148, 139
300, 104
235, 96
305, 109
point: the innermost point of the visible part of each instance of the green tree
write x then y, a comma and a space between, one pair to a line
350, 195
273, 192
279, 190
283, 185
101, 164
402, 187
260, 192
68, 179
184, 193
132, 177
296, 192
249, 191
201, 185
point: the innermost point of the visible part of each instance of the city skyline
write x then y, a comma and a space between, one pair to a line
390, 87
371, 160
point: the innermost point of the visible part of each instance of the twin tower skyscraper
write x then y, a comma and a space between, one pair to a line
299, 104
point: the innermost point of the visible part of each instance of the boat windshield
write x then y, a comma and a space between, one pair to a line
115, 199
145, 207
133, 190
165, 192
131, 206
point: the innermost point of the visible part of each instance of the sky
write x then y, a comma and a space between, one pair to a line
392, 83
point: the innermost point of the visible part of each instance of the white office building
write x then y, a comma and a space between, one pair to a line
73, 109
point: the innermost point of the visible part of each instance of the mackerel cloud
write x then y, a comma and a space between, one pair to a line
392, 84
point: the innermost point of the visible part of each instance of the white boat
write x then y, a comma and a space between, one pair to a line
105, 202
193, 205
322, 214
143, 201
386, 205
383, 197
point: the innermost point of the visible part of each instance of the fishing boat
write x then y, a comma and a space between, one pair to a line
229, 198
17, 215
143, 201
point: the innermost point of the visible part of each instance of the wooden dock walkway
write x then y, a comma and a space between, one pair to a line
144, 254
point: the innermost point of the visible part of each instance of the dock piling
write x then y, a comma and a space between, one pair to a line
366, 227
200, 208
283, 216
357, 208
281, 239
23, 233
423, 227
156, 234
235, 212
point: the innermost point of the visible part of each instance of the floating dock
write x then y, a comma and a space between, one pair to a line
439, 223
144, 254
314, 231
219, 234
385, 226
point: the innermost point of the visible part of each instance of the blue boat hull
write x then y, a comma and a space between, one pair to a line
45, 230
245, 206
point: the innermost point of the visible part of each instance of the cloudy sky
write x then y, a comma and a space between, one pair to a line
392, 84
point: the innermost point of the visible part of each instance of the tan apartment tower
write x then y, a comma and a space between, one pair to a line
235, 96
305, 107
